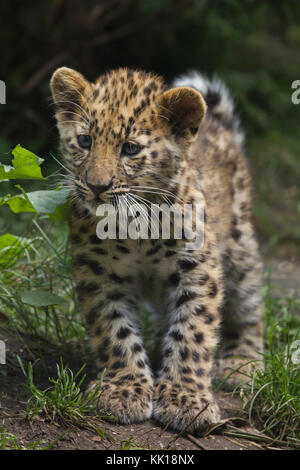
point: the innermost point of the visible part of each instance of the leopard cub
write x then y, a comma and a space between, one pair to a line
128, 140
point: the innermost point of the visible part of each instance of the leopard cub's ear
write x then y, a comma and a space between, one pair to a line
184, 109
67, 88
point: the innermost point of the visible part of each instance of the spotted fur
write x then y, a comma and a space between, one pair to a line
201, 298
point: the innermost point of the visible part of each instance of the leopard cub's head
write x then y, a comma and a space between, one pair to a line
126, 133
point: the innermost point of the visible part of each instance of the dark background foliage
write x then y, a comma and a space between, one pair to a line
252, 44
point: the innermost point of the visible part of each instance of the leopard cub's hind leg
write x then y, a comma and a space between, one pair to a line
242, 343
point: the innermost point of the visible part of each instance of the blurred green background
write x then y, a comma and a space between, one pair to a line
252, 45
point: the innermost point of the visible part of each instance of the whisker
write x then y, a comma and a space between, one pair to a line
142, 210
161, 190
86, 102
76, 114
157, 193
74, 122
129, 205
148, 204
65, 168
76, 104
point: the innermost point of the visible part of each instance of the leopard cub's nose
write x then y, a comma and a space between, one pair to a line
99, 188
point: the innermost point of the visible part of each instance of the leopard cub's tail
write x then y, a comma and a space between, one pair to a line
218, 99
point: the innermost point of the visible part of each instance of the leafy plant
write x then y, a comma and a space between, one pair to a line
8, 440
62, 402
38, 259
130, 444
272, 396
26, 165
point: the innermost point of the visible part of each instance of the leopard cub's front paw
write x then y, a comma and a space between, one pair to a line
127, 401
180, 409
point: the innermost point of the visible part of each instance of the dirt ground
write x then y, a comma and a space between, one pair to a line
13, 398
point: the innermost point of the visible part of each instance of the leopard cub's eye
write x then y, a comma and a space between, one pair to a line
129, 149
85, 141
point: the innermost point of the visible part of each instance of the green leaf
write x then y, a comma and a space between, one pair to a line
46, 201
40, 298
22, 155
26, 165
11, 247
18, 203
